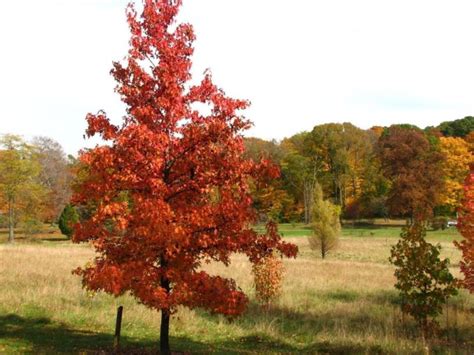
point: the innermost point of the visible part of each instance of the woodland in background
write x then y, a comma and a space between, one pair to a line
381, 172
35, 183
400, 171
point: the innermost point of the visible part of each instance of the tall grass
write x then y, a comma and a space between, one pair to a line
344, 304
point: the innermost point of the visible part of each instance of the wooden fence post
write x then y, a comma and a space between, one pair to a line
118, 327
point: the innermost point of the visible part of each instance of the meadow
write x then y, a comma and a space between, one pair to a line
343, 304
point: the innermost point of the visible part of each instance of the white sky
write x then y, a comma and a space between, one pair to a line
300, 62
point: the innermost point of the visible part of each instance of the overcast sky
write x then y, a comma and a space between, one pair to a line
300, 62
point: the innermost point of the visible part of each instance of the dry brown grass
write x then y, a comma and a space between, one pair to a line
345, 303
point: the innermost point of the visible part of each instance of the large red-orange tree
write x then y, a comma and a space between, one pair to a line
170, 189
466, 227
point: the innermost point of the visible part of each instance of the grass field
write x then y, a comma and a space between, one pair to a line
344, 304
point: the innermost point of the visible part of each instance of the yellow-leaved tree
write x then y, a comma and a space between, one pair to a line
455, 169
326, 225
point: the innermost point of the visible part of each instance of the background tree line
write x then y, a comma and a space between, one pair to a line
35, 182
400, 171
397, 171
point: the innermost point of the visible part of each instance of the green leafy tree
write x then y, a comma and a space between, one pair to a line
299, 173
326, 226
20, 191
257, 149
423, 279
67, 219
374, 191
327, 143
457, 128
270, 199
342, 151
31, 226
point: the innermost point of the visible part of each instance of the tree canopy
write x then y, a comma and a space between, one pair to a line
412, 164
171, 189
457, 128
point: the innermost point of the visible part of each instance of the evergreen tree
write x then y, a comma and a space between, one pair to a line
68, 217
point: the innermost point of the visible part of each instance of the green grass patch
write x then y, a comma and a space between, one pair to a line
372, 231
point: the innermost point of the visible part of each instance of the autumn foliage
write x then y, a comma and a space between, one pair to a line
326, 226
455, 168
170, 189
412, 163
466, 228
423, 279
268, 278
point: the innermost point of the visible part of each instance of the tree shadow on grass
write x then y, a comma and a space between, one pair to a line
43, 336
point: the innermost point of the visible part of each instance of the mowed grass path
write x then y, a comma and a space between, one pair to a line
345, 304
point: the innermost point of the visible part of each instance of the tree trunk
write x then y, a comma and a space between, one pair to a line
165, 318
165, 332
424, 331
11, 222
308, 201
305, 202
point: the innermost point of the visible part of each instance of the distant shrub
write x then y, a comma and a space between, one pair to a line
68, 218
31, 226
359, 223
423, 279
353, 210
375, 207
268, 279
3, 221
438, 223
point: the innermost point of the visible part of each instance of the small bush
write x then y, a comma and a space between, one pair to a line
31, 226
3, 221
353, 210
68, 218
268, 278
438, 223
423, 279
